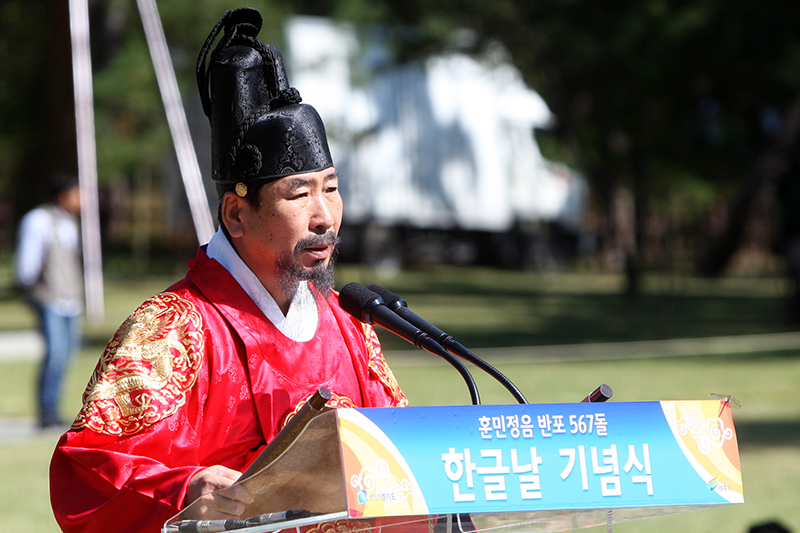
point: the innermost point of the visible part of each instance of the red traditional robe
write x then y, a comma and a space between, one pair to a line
197, 376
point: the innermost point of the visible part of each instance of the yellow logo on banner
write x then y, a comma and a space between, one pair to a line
704, 431
379, 481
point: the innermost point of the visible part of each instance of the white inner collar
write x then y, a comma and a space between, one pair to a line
299, 324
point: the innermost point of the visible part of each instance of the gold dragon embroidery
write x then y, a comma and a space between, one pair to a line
147, 368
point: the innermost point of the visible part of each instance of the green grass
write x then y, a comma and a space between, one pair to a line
768, 424
483, 308
24, 497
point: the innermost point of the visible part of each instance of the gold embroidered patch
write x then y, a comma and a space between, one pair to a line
146, 369
377, 364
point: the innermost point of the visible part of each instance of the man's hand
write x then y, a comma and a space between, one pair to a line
219, 505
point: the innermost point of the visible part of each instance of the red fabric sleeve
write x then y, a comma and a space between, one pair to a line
133, 448
118, 491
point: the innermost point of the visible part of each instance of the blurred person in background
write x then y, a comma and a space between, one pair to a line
48, 268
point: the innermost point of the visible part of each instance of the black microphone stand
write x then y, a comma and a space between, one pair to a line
399, 306
367, 306
363, 303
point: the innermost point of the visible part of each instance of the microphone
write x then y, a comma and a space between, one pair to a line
602, 393
231, 524
368, 307
400, 307
210, 526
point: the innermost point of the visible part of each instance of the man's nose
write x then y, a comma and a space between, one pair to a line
322, 218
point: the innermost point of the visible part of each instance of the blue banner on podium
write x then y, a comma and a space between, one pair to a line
518, 458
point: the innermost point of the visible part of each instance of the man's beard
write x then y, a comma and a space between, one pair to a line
291, 272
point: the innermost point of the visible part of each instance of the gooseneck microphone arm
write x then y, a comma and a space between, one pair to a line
399, 306
368, 307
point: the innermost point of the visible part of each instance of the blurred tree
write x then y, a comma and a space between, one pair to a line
133, 134
36, 104
36, 98
646, 92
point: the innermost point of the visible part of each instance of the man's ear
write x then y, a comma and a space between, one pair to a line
232, 212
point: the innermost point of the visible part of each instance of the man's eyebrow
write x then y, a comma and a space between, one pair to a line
296, 183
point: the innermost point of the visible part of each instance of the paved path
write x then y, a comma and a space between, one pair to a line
15, 345
607, 351
21, 428
28, 345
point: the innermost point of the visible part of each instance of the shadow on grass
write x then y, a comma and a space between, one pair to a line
768, 433
96, 341
9, 294
523, 316
487, 308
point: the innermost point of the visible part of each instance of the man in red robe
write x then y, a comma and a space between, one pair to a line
201, 377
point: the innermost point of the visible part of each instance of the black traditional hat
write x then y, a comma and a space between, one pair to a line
259, 129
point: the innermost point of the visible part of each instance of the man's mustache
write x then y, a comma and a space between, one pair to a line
329, 238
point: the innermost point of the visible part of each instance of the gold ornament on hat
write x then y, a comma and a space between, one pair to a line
241, 189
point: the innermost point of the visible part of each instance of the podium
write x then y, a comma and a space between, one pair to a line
511, 468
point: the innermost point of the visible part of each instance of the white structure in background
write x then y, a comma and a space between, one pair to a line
444, 145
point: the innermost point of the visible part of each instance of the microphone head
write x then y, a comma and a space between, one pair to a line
359, 301
392, 301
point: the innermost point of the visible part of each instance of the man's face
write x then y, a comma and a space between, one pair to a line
70, 200
293, 232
